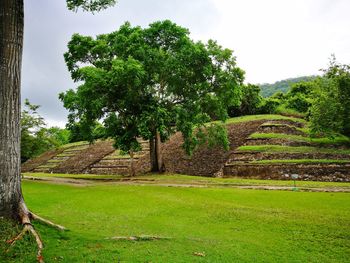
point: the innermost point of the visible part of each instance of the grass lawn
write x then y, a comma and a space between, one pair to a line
224, 225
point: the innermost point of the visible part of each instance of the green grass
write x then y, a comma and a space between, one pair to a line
227, 225
282, 109
54, 161
276, 125
74, 144
291, 149
301, 161
65, 154
48, 165
322, 141
305, 130
75, 176
262, 117
187, 179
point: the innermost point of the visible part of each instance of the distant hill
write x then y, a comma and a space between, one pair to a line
283, 85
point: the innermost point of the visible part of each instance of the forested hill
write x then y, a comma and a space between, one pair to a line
283, 85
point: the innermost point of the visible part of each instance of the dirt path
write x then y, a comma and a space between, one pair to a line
144, 182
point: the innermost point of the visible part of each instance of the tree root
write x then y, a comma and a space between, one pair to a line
47, 222
28, 227
25, 217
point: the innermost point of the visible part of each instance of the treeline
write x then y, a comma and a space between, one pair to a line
284, 85
35, 137
323, 100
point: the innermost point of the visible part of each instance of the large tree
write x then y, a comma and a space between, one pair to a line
150, 83
11, 44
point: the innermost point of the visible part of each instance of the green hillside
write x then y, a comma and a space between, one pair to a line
283, 85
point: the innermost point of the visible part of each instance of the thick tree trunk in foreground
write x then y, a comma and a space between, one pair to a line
156, 154
11, 43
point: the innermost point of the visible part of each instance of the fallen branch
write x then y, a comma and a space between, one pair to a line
138, 238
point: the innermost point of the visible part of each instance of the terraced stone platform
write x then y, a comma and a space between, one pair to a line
49, 161
117, 163
287, 155
268, 149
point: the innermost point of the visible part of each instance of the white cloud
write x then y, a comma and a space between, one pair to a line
276, 39
272, 39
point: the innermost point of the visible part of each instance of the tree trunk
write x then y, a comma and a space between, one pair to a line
132, 165
152, 152
156, 153
159, 155
11, 43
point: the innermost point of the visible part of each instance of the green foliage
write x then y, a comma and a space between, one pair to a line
250, 101
330, 112
89, 5
144, 81
35, 137
269, 105
283, 86
299, 102
80, 132
300, 96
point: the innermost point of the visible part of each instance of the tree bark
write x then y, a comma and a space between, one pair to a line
152, 152
11, 45
132, 165
159, 155
156, 153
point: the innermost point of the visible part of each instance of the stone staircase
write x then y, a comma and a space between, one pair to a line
281, 165
67, 153
117, 163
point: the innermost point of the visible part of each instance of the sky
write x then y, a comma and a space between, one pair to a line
272, 39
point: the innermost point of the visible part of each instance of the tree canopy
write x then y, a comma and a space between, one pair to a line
89, 5
141, 82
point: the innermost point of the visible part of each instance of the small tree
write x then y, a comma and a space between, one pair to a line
151, 83
330, 112
35, 137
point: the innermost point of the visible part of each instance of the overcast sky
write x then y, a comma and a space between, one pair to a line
272, 39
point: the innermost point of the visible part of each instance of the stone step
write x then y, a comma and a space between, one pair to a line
41, 170
114, 162
314, 172
280, 129
110, 166
285, 122
122, 171
256, 156
276, 141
